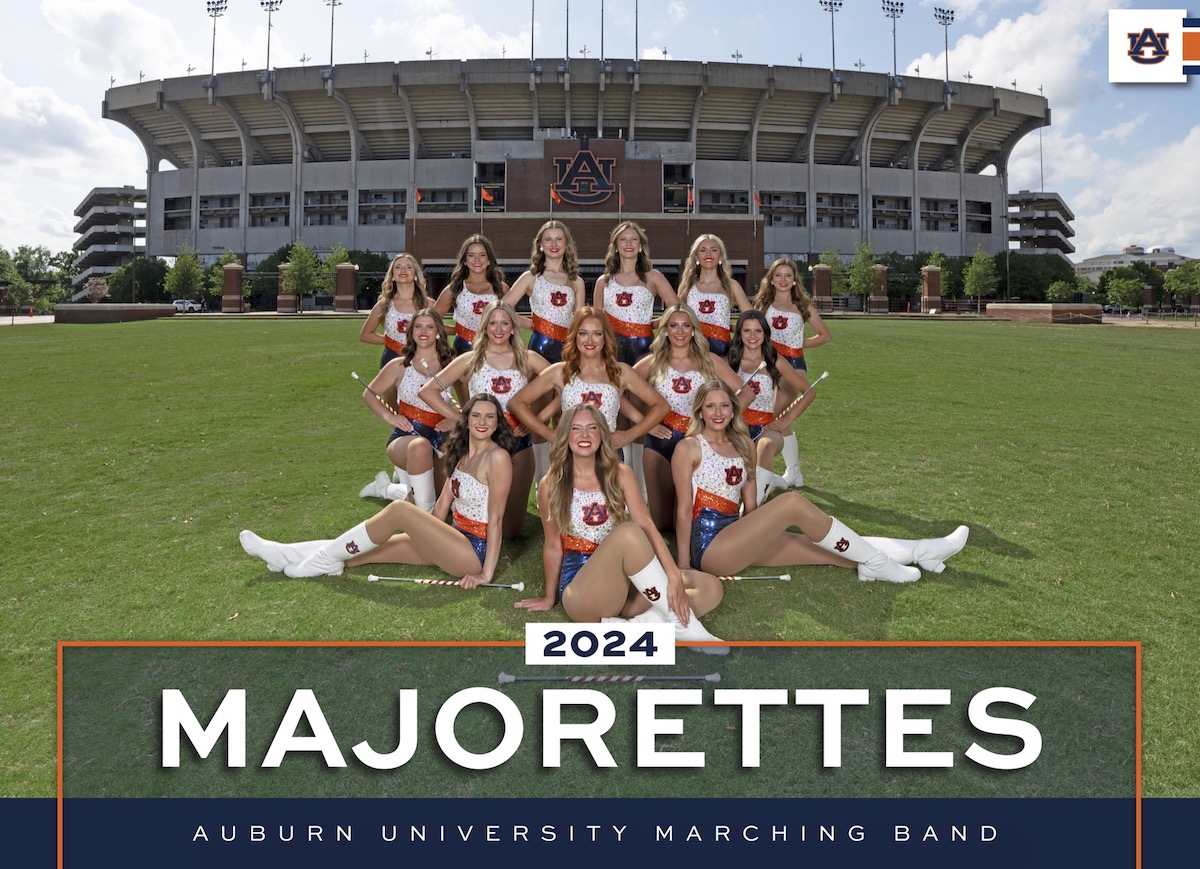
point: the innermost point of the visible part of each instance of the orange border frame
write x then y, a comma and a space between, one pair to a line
827, 644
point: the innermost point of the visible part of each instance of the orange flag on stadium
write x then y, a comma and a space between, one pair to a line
419, 196
757, 201
486, 195
620, 196
691, 199
554, 194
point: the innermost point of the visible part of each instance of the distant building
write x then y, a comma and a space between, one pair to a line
416, 155
1161, 258
1040, 223
112, 220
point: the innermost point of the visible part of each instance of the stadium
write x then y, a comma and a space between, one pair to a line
777, 160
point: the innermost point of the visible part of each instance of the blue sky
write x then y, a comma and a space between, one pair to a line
1123, 156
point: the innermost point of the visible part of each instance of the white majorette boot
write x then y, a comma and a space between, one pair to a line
423, 492
383, 487
651, 581
765, 479
930, 554
331, 558
872, 563
791, 457
278, 555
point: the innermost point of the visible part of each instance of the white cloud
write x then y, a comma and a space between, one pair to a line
115, 37
1152, 201
452, 35
677, 11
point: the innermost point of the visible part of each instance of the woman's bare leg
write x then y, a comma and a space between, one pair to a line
601, 588
660, 490
518, 494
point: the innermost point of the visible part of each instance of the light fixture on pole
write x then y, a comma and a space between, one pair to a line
893, 10
216, 8
832, 6
332, 4
270, 6
737, 56
835, 80
945, 17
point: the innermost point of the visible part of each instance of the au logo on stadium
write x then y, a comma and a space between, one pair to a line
584, 179
1148, 46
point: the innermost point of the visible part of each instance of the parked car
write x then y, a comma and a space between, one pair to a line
187, 306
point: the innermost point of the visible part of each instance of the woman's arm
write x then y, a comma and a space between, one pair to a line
661, 287
369, 333
656, 406
683, 465
545, 383
384, 384
797, 383
444, 302
740, 299
822, 335
431, 393
580, 294
552, 555
639, 514
521, 286
499, 481
598, 293
729, 377
633, 413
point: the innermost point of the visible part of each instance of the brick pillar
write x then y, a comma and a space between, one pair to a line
231, 288
931, 288
877, 302
285, 303
822, 287
343, 294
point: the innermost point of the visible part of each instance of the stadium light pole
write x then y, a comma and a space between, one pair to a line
270, 6
216, 8
945, 17
893, 10
333, 4
832, 6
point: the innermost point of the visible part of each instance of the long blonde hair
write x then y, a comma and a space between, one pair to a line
766, 288
388, 287
660, 349
483, 341
737, 432
691, 269
561, 477
570, 352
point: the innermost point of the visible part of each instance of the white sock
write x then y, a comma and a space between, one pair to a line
330, 559
399, 475
422, 490
396, 491
651, 581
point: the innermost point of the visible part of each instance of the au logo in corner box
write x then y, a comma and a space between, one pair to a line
1152, 46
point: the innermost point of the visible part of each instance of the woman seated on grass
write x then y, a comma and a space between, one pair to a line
721, 528
401, 533
602, 553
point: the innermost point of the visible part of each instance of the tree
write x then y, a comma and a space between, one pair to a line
265, 284
837, 270
151, 274
1068, 290
979, 278
1030, 274
1183, 280
1126, 292
185, 280
861, 272
303, 270
96, 289
49, 275
327, 281
904, 276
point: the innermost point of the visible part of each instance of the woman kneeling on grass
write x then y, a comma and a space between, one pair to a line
715, 462
609, 569
402, 533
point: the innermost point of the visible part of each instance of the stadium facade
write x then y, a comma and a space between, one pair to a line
417, 155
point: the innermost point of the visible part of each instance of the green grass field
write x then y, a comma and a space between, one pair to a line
135, 453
